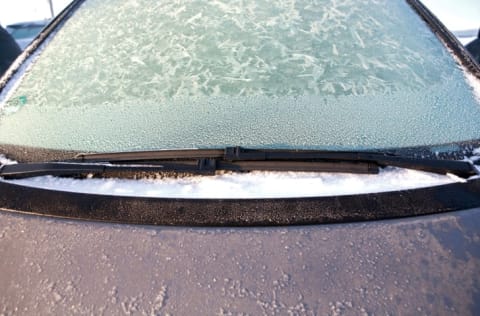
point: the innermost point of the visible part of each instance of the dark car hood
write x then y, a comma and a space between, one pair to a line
423, 265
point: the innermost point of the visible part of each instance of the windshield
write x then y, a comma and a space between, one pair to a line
141, 75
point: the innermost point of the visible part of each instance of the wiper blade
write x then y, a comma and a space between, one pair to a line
203, 166
138, 156
68, 169
239, 154
208, 161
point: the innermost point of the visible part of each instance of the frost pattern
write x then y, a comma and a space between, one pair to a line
178, 73
275, 48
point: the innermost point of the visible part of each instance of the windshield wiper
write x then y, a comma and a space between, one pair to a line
236, 159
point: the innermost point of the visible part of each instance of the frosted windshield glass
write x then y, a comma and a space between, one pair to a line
134, 75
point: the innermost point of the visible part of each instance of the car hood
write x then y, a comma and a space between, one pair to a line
423, 265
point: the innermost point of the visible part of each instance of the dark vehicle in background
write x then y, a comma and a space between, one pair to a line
474, 48
9, 51
25, 32
241, 158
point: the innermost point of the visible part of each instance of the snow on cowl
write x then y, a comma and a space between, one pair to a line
256, 184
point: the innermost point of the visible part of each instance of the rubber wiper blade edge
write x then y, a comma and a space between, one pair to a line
208, 161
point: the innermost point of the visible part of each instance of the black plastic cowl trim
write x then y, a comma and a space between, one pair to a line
240, 212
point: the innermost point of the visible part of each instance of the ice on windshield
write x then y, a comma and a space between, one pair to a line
183, 74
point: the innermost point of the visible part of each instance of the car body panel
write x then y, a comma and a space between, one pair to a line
417, 265
423, 265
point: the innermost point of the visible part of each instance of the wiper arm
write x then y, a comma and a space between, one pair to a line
238, 154
208, 161
203, 166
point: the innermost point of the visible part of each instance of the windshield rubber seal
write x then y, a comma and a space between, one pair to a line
240, 212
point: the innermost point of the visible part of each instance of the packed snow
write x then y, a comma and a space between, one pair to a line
5, 161
247, 185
